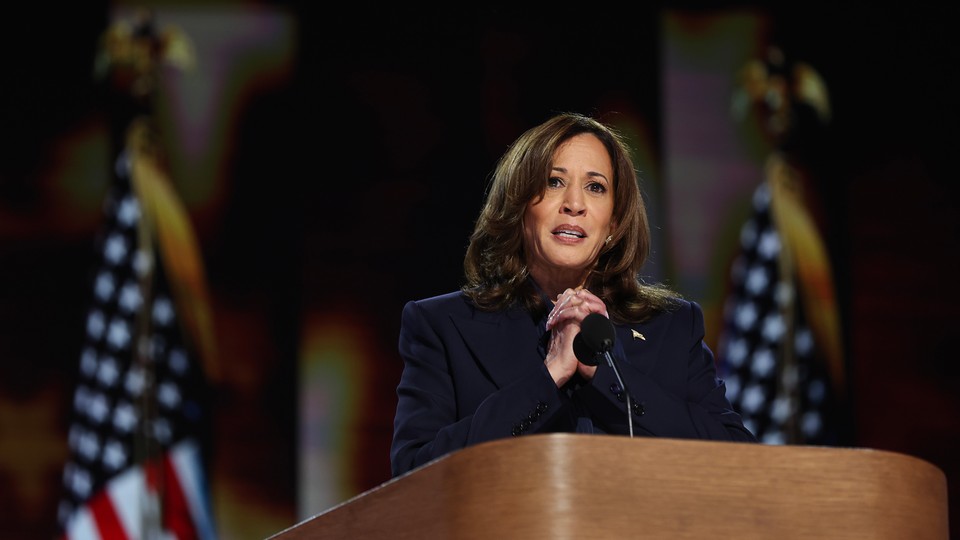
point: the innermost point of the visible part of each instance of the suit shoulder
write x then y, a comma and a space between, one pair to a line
685, 307
452, 302
680, 311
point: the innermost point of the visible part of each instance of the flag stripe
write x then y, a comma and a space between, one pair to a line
176, 513
128, 494
82, 526
118, 512
108, 522
186, 461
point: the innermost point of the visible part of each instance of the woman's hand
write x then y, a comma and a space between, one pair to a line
571, 307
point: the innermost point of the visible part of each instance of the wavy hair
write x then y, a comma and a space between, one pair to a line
495, 266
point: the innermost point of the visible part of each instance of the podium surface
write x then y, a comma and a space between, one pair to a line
557, 486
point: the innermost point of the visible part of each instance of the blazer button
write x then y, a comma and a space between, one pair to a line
516, 431
615, 388
638, 408
541, 407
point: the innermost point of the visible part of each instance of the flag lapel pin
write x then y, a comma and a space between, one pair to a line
637, 335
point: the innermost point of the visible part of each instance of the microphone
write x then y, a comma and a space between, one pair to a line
595, 340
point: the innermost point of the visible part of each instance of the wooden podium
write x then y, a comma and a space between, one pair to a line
599, 486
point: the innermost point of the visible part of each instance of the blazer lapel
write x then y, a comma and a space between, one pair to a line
505, 344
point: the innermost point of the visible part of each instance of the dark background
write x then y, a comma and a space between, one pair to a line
353, 188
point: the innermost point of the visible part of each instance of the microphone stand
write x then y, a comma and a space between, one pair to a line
616, 371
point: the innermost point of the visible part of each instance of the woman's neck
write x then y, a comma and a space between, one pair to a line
552, 285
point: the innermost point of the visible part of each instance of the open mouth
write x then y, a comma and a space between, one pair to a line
569, 232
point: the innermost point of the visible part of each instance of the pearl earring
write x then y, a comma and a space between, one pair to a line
609, 238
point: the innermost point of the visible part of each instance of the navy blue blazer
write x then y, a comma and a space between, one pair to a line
472, 376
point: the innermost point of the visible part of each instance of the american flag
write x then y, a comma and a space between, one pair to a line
774, 367
136, 465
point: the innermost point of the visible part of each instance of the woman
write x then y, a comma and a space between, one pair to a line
563, 234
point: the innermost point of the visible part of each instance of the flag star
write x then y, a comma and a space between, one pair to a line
157, 347
108, 372
816, 391
789, 378
142, 262
95, 324
128, 212
783, 293
732, 384
125, 417
134, 382
115, 248
118, 335
80, 398
88, 362
738, 268
769, 245
89, 446
123, 165
104, 286
145, 347
803, 342
753, 398
162, 311
745, 316
737, 351
773, 327
764, 362
178, 361
114, 455
773, 437
811, 423
162, 430
761, 198
748, 234
97, 408
168, 394
781, 409
130, 298
73, 437
757, 280
80, 482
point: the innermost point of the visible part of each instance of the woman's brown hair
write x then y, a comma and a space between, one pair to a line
495, 266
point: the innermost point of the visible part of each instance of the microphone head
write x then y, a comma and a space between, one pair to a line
595, 338
585, 354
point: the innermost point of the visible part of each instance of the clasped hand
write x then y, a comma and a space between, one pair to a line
568, 312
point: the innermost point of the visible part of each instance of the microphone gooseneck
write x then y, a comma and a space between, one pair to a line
595, 340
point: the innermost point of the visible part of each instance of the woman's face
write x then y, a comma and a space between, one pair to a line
564, 232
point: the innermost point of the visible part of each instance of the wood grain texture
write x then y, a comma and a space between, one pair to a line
595, 486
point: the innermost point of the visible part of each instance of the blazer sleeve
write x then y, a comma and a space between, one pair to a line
680, 397
434, 416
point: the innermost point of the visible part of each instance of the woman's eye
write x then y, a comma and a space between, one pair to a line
554, 181
596, 187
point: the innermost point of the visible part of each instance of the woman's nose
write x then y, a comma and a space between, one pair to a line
573, 202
